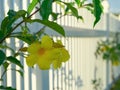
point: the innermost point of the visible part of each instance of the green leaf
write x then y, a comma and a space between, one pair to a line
98, 9
83, 1
11, 13
7, 47
20, 72
27, 39
1, 35
20, 13
5, 65
73, 10
15, 15
6, 25
60, 4
6, 88
106, 56
80, 17
2, 57
32, 5
46, 9
50, 24
15, 61
78, 2
54, 15
89, 8
25, 29
25, 35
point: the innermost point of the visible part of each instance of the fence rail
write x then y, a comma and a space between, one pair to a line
81, 40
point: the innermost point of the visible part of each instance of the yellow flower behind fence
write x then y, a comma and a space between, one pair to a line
47, 53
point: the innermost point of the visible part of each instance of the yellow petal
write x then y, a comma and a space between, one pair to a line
61, 54
59, 42
57, 45
44, 63
45, 60
64, 55
46, 42
31, 60
56, 64
34, 47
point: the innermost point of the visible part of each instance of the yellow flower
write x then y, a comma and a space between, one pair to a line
115, 63
46, 53
103, 48
61, 55
41, 53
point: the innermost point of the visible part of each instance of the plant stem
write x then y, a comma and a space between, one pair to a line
18, 25
3, 74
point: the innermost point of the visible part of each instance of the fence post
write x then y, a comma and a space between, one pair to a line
42, 79
108, 67
107, 28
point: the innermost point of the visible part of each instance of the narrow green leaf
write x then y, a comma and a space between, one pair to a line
5, 65
32, 5
89, 8
73, 9
1, 35
7, 47
60, 4
11, 14
54, 15
15, 61
59, 29
27, 39
78, 2
20, 72
25, 29
2, 57
4, 25
83, 2
80, 17
6, 88
8, 21
46, 9
98, 9
20, 13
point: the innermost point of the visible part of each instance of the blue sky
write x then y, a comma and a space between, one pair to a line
114, 5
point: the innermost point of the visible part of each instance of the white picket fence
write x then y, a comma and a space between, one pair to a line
81, 40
